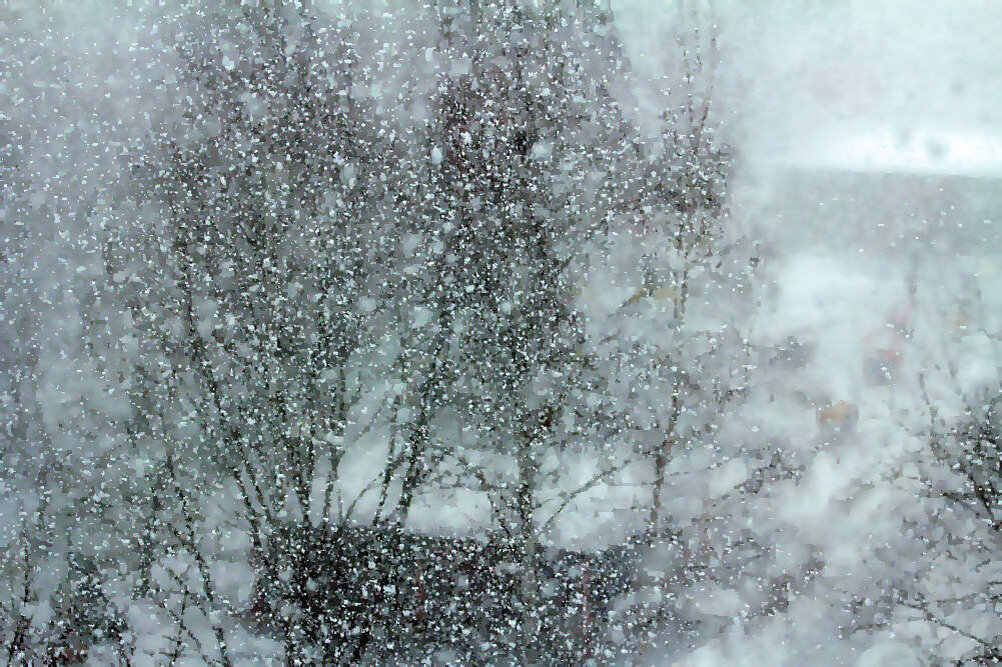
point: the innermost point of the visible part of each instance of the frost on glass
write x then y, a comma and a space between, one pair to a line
484, 332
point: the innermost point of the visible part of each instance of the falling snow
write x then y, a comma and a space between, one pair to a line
492, 332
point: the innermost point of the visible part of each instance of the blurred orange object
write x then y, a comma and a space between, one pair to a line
841, 416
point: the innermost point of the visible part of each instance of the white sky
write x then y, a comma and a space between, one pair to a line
902, 78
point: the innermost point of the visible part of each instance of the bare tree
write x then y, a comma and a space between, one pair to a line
273, 214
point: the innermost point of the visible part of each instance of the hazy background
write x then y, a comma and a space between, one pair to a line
798, 77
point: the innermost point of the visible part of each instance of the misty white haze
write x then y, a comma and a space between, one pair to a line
501, 332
